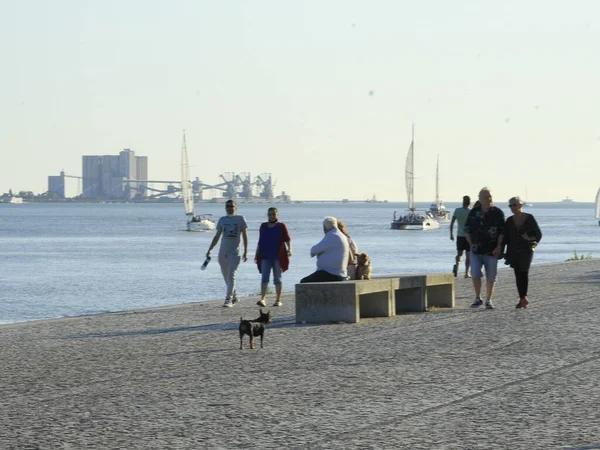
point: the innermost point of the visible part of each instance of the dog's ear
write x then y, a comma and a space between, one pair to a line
260, 310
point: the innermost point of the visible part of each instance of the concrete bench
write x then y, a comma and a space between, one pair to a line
416, 293
344, 301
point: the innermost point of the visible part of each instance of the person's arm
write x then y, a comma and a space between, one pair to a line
287, 239
536, 233
319, 248
451, 226
536, 230
245, 239
258, 245
214, 241
353, 250
500, 223
467, 228
256, 253
498, 250
506, 240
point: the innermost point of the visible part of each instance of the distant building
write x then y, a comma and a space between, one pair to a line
92, 177
141, 163
114, 177
56, 184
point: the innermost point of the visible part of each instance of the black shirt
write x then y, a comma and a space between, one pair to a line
484, 229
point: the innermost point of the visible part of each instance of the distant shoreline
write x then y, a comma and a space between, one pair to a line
277, 202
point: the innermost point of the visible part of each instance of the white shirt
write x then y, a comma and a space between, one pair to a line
332, 253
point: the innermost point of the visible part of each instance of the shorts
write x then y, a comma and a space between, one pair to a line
266, 265
490, 262
462, 244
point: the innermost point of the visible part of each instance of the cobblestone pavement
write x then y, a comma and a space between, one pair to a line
174, 377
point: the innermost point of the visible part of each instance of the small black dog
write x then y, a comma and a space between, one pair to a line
254, 327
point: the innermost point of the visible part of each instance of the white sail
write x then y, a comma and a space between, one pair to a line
186, 185
598, 204
413, 220
409, 174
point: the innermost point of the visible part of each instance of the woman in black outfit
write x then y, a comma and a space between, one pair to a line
521, 236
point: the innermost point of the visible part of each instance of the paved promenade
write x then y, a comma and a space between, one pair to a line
174, 378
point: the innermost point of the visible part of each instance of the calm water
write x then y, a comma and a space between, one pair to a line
60, 260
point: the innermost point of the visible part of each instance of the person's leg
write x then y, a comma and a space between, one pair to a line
524, 288
234, 262
518, 280
491, 270
476, 264
525, 282
457, 257
320, 276
265, 270
477, 286
489, 289
224, 264
326, 276
277, 281
522, 277
467, 262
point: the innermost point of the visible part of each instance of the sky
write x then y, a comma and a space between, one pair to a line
321, 94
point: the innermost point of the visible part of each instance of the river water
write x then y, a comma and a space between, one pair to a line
59, 260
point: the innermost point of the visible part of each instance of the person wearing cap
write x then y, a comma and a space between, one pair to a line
521, 236
484, 230
332, 254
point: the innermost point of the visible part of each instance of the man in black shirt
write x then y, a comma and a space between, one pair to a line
484, 232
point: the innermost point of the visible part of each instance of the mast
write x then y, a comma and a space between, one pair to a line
409, 173
437, 182
186, 188
598, 206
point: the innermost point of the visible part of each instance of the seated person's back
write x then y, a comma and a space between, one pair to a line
332, 254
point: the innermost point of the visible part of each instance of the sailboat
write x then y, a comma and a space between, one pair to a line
598, 206
202, 222
437, 208
412, 220
526, 201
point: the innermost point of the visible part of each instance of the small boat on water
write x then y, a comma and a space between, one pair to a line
15, 200
437, 209
525, 202
203, 222
598, 206
412, 219
567, 200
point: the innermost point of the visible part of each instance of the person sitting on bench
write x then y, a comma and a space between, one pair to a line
332, 255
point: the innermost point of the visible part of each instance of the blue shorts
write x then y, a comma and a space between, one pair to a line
265, 270
490, 263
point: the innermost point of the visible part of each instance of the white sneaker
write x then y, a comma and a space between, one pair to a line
261, 303
227, 304
277, 304
488, 304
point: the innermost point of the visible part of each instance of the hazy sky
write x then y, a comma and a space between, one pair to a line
320, 93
